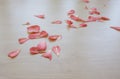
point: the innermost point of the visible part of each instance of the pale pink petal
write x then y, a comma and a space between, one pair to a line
115, 28
34, 50
83, 25
94, 11
72, 26
54, 37
69, 22
56, 50
47, 55
13, 54
42, 46
43, 34
76, 18
40, 16
86, 1
34, 35
33, 29
71, 12
97, 13
92, 19
104, 18
57, 22
22, 40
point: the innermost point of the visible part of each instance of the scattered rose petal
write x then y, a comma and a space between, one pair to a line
34, 35
76, 18
42, 46
33, 29
56, 50
115, 28
86, 1
92, 19
43, 34
83, 25
22, 40
69, 22
94, 11
104, 18
13, 54
34, 50
40, 16
71, 12
54, 37
57, 22
47, 55
72, 26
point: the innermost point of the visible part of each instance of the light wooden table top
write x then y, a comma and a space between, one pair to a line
87, 53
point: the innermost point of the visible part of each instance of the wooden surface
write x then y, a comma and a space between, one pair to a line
87, 53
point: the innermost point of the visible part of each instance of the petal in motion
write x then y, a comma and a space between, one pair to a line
14, 53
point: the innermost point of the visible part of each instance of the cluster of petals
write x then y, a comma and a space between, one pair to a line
35, 32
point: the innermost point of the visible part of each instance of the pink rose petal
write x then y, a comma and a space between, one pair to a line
54, 37
94, 11
57, 22
71, 12
34, 35
40, 16
34, 50
13, 54
47, 55
56, 50
83, 25
42, 46
76, 18
104, 18
43, 34
69, 22
117, 28
33, 29
86, 1
92, 19
22, 40
72, 26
